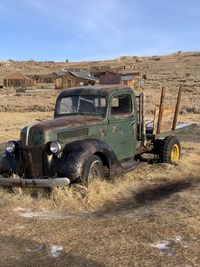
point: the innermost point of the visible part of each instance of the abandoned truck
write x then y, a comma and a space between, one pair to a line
97, 132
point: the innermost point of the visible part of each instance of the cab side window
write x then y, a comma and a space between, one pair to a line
121, 105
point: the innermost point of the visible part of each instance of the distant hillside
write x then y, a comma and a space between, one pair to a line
171, 70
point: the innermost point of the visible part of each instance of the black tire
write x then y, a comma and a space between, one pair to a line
93, 169
170, 150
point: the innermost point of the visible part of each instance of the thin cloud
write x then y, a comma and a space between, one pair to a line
2, 7
37, 4
85, 16
82, 30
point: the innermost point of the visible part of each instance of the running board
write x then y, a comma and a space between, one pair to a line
132, 164
39, 183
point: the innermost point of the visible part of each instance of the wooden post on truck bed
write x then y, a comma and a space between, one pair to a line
143, 119
161, 109
154, 121
140, 116
177, 108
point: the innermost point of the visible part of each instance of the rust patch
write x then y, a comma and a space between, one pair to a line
72, 121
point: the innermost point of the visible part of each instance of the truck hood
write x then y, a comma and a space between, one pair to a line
68, 122
41, 133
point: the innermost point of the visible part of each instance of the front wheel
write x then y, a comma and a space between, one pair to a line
93, 170
170, 149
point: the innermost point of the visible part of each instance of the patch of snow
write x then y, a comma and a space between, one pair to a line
33, 214
162, 245
56, 251
50, 215
19, 209
46, 214
167, 244
20, 227
178, 238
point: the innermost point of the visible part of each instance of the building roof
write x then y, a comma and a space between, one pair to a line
43, 76
79, 74
60, 73
127, 78
72, 69
132, 73
83, 75
50, 75
100, 68
17, 76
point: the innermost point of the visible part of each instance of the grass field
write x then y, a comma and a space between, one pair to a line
149, 217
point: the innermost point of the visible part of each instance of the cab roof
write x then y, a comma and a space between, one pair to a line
104, 89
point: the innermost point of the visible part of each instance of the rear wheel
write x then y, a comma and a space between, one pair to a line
170, 150
93, 170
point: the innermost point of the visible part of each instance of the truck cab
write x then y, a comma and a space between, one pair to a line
113, 109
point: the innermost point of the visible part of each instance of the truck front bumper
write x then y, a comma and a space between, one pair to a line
39, 183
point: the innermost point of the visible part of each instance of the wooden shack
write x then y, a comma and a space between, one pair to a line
124, 78
139, 60
17, 79
74, 79
98, 71
129, 78
110, 78
44, 78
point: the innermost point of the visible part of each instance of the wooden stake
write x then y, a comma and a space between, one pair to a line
177, 108
161, 109
154, 121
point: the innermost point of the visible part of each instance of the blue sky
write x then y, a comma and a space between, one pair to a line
92, 30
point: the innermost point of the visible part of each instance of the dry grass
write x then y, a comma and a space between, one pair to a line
98, 194
109, 224
13, 122
31, 101
116, 223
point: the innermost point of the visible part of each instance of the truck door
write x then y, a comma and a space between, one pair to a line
121, 134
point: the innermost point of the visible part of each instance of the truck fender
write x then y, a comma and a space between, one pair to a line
9, 165
75, 154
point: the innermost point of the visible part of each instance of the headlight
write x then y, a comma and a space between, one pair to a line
55, 147
10, 147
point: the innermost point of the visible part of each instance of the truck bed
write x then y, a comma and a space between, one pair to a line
180, 127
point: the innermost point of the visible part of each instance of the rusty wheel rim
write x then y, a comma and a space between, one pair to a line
94, 172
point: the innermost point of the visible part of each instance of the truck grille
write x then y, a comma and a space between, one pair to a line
32, 162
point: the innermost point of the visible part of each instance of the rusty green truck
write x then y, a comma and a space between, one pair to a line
96, 132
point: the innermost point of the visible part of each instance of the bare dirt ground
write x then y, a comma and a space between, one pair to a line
148, 217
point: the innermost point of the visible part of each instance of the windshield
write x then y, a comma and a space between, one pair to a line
84, 105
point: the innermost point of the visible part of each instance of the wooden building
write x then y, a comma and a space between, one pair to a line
109, 78
135, 74
128, 80
17, 79
44, 78
139, 60
74, 79
98, 71
124, 78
